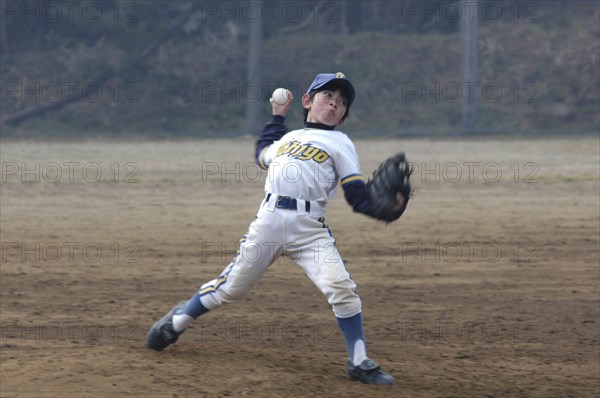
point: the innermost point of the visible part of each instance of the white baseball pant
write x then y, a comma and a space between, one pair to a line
301, 236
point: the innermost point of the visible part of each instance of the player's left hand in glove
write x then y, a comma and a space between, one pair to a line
390, 189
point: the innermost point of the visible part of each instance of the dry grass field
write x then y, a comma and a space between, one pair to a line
488, 286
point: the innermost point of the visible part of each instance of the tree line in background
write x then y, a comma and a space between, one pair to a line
171, 49
47, 24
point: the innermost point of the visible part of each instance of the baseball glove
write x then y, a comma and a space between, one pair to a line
391, 177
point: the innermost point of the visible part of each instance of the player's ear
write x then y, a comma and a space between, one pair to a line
341, 122
306, 103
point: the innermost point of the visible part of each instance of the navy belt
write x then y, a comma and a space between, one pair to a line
285, 202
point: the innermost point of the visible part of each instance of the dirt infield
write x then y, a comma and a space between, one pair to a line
487, 287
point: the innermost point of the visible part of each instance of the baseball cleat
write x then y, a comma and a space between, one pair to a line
369, 372
162, 334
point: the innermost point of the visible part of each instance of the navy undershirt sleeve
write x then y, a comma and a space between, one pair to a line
357, 195
272, 132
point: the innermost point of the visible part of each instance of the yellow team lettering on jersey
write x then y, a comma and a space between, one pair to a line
303, 152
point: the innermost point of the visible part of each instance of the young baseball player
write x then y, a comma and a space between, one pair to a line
305, 167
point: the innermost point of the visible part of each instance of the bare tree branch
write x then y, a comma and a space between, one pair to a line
303, 24
99, 81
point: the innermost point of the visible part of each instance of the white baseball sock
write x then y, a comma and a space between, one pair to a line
181, 322
360, 352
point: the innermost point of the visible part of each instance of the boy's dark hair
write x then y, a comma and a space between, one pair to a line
331, 87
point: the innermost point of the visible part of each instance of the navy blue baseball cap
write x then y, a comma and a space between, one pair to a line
340, 81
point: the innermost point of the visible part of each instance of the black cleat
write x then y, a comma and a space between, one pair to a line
369, 373
162, 334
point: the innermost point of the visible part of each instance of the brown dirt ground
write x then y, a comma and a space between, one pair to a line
487, 287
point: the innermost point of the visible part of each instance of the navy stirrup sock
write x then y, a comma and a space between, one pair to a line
194, 307
352, 331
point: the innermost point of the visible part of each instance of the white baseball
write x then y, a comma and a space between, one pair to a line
280, 96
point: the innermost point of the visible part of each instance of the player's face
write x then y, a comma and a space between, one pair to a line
327, 107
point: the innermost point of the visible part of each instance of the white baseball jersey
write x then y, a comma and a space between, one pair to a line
309, 163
